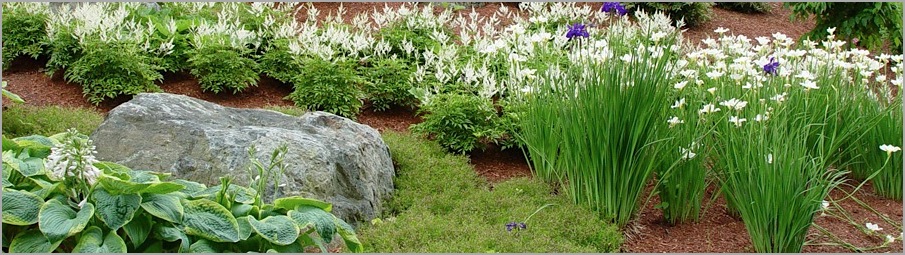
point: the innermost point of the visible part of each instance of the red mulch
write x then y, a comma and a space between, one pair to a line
716, 232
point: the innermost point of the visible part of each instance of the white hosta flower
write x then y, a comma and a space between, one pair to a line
737, 121
809, 84
674, 121
734, 104
678, 104
72, 158
686, 153
709, 108
873, 227
889, 149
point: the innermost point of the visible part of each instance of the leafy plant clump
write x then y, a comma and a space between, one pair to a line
874, 24
692, 13
24, 120
108, 70
58, 198
24, 30
388, 83
329, 86
221, 68
746, 7
458, 122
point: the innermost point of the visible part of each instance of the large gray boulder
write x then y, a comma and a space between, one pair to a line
329, 157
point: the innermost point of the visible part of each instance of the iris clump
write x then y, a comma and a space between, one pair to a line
577, 29
772, 67
614, 7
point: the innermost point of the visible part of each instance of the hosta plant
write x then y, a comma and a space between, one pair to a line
58, 198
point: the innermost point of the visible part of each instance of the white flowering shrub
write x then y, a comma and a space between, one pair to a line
58, 198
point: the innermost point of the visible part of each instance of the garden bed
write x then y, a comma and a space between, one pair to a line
718, 231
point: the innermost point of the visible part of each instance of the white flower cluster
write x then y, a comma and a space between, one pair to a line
73, 158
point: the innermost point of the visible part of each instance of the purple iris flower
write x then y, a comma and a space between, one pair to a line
510, 226
614, 7
771, 68
577, 29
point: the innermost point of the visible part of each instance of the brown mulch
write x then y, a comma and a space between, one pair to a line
716, 232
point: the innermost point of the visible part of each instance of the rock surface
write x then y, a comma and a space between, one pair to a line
329, 157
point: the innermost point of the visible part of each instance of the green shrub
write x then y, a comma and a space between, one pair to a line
448, 208
221, 67
24, 120
278, 63
388, 83
458, 122
872, 23
107, 70
693, 13
329, 86
24, 32
746, 7
399, 35
74, 203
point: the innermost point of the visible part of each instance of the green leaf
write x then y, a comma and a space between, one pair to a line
171, 234
244, 227
20, 208
58, 221
204, 246
115, 185
240, 194
317, 217
348, 234
115, 210
279, 230
112, 168
12, 97
94, 241
239, 210
290, 203
163, 188
164, 206
138, 229
190, 186
32, 241
210, 220
10, 145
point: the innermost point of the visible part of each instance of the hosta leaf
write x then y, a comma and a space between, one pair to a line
20, 208
93, 240
32, 241
6, 183
294, 247
348, 234
35, 141
10, 145
279, 230
115, 210
240, 194
138, 229
137, 176
290, 203
167, 207
244, 227
58, 221
317, 217
31, 166
240, 210
190, 186
115, 185
204, 246
171, 234
114, 169
210, 220
163, 188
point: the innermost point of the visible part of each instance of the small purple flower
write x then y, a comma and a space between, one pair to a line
510, 226
614, 7
577, 29
771, 68
522, 225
